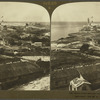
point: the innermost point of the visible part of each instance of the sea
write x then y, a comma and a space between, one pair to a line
62, 29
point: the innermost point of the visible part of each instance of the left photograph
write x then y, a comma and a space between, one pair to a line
24, 47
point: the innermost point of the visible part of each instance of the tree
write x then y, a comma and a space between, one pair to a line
84, 47
1, 50
35, 39
11, 41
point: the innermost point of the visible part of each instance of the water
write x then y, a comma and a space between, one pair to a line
62, 29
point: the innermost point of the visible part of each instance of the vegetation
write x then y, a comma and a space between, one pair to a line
65, 59
25, 37
84, 48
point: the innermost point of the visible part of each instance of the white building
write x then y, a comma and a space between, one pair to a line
79, 84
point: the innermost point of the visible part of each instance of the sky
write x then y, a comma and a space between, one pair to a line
18, 11
79, 11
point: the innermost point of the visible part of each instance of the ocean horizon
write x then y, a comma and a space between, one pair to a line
62, 29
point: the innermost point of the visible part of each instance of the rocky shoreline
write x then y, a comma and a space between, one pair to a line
79, 53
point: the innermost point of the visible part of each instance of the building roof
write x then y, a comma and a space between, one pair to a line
17, 69
76, 82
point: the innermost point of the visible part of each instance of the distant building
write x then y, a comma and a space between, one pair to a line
91, 26
5, 27
38, 44
10, 29
24, 35
79, 84
61, 45
24, 48
15, 52
47, 34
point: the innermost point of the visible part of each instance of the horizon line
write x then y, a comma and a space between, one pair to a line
72, 21
25, 21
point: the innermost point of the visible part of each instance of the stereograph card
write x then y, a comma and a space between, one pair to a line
49, 49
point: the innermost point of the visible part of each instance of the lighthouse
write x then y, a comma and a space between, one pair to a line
90, 21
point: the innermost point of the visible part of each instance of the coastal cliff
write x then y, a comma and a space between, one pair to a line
79, 52
18, 73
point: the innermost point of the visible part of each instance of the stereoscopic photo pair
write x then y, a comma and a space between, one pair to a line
36, 54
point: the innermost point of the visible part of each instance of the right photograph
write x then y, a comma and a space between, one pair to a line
75, 47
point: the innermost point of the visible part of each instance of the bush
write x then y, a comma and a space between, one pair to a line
1, 50
84, 47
